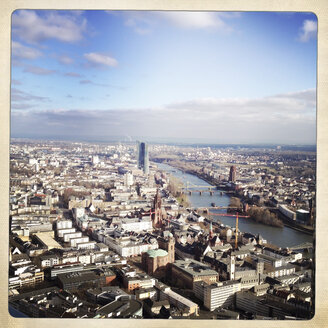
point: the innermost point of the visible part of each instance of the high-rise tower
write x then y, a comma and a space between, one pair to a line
143, 156
232, 174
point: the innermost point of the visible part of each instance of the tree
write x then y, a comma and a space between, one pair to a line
235, 202
264, 216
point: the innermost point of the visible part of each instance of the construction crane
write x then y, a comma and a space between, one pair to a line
233, 215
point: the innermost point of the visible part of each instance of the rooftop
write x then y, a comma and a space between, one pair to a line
194, 268
47, 239
181, 299
77, 277
157, 252
122, 308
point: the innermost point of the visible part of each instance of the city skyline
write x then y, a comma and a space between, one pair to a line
221, 77
97, 231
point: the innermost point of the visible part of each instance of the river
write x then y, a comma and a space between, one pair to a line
283, 237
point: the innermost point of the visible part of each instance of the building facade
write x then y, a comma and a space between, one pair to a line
232, 174
220, 294
154, 260
143, 157
190, 271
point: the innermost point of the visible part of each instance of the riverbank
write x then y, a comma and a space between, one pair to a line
200, 175
205, 201
293, 225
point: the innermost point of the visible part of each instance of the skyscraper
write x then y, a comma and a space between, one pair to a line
143, 156
232, 174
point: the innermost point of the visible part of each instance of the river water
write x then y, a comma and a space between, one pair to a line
283, 237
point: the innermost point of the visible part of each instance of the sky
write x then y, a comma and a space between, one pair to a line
219, 77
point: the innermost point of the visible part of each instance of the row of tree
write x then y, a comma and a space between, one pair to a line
264, 216
175, 189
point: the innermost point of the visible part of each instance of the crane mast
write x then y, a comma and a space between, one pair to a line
236, 236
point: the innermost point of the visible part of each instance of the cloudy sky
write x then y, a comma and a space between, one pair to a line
221, 77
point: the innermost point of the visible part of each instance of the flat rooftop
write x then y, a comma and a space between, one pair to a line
123, 308
181, 299
77, 277
47, 239
194, 268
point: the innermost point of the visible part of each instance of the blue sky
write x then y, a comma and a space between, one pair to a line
222, 77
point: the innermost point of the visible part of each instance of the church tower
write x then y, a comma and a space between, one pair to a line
211, 231
169, 245
171, 249
157, 211
231, 267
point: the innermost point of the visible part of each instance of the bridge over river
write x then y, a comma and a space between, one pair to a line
283, 237
200, 189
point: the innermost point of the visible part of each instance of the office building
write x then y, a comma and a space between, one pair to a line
74, 280
186, 273
128, 179
232, 174
143, 157
220, 294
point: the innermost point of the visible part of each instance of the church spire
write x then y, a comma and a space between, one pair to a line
211, 230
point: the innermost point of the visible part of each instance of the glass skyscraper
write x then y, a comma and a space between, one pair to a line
143, 156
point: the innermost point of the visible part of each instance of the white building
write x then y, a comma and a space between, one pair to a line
78, 212
74, 241
95, 160
63, 224
68, 236
86, 245
128, 179
287, 212
61, 232
129, 246
218, 294
49, 261
137, 224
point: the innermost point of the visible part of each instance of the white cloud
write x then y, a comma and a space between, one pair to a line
85, 82
34, 27
16, 82
21, 51
94, 58
22, 106
73, 74
66, 60
308, 30
303, 102
280, 118
38, 70
25, 100
93, 83
144, 22
194, 20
